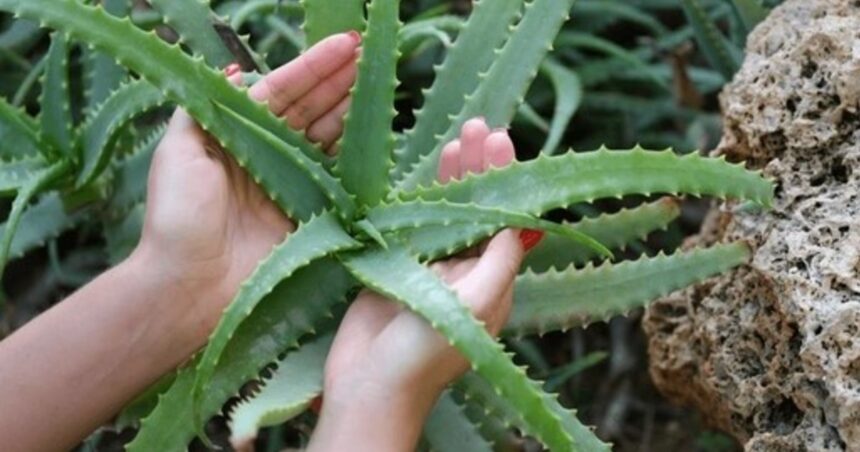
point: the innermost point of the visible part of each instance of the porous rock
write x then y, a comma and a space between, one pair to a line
771, 352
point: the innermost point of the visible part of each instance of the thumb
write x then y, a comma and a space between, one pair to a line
491, 278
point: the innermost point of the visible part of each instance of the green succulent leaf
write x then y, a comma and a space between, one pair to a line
311, 187
319, 237
364, 160
56, 113
480, 391
44, 220
15, 174
102, 74
132, 172
459, 75
560, 300
18, 136
545, 183
417, 214
397, 275
193, 21
595, 43
504, 86
196, 87
713, 44
31, 189
324, 18
448, 428
21, 36
615, 231
298, 306
296, 382
568, 90
751, 12
99, 133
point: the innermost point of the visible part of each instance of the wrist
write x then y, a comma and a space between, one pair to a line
190, 307
385, 418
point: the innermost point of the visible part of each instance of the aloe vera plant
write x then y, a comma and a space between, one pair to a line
370, 219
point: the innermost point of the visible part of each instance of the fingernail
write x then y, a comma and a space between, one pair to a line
500, 130
530, 238
232, 69
316, 404
356, 36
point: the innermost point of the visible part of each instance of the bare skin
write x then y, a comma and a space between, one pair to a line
207, 226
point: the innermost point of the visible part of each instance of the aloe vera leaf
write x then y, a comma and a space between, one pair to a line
122, 233
21, 36
397, 275
32, 188
186, 81
46, 219
132, 172
99, 133
712, 42
504, 86
751, 12
319, 237
561, 375
364, 160
549, 182
193, 22
415, 33
249, 9
416, 214
298, 306
15, 174
310, 187
568, 97
294, 384
324, 18
102, 74
591, 42
473, 52
29, 81
56, 113
18, 136
447, 428
618, 10
480, 391
560, 300
615, 231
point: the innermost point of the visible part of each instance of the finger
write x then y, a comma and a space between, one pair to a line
328, 129
322, 98
495, 271
293, 80
472, 137
183, 137
498, 317
449, 162
498, 150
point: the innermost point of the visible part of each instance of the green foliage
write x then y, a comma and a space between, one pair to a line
297, 380
369, 219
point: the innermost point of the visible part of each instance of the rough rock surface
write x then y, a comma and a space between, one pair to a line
771, 352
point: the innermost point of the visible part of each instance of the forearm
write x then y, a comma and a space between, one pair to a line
81, 361
369, 418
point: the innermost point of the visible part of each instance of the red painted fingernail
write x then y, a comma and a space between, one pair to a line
232, 69
356, 36
316, 405
530, 238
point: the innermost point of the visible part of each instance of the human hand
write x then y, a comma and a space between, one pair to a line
207, 224
387, 366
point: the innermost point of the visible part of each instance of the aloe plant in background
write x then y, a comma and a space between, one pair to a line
370, 219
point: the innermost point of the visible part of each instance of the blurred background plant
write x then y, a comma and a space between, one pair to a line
623, 72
